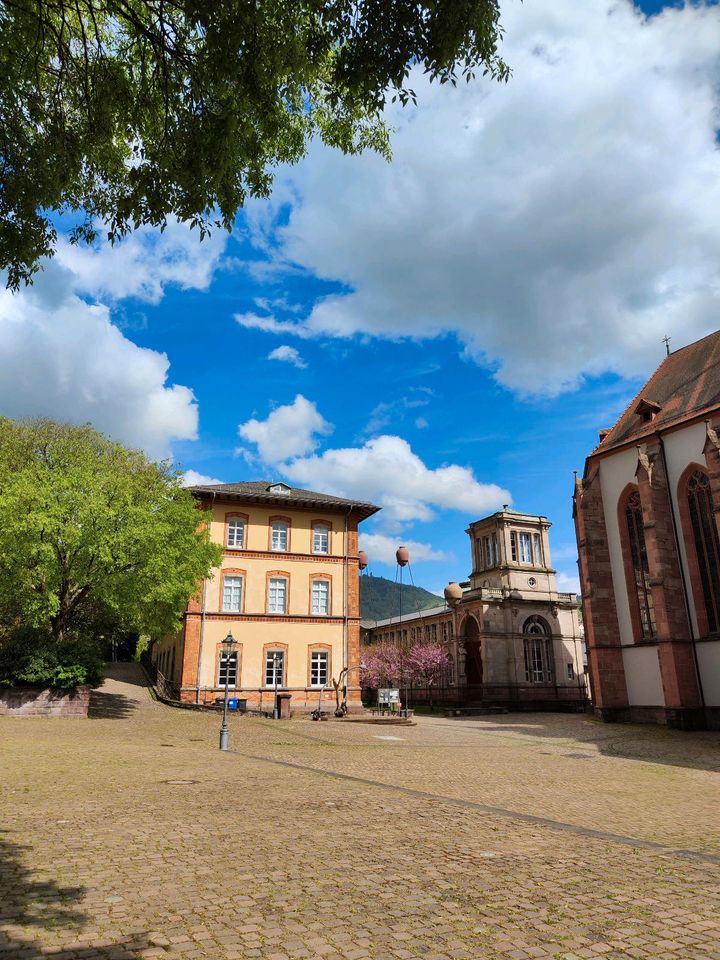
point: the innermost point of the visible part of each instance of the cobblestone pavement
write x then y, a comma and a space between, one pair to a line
129, 835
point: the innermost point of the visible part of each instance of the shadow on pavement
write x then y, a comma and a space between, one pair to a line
644, 742
29, 906
110, 706
24, 902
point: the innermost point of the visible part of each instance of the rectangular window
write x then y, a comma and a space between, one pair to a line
495, 550
236, 534
525, 550
319, 668
570, 672
321, 597
321, 539
232, 594
488, 552
513, 546
277, 595
228, 670
274, 668
537, 550
279, 538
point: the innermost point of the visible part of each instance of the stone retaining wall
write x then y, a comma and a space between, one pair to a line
33, 702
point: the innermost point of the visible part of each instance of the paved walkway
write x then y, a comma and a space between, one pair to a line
129, 835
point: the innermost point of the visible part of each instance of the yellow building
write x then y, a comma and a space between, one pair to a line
288, 591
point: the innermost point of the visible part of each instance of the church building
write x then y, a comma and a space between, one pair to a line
646, 517
513, 640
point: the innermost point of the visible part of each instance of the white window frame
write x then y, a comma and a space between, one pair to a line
537, 550
232, 666
321, 531
282, 529
319, 587
513, 546
270, 672
228, 608
525, 543
274, 581
235, 525
318, 657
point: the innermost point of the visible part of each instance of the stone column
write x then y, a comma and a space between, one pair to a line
683, 703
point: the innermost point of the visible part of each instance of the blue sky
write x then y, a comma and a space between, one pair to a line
450, 330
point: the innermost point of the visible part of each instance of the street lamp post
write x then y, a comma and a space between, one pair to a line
228, 646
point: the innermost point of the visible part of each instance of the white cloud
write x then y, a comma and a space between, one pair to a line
386, 471
385, 412
568, 582
287, 355
559, 224
61, 357
383, 470
381, 549
191, 478
269, 324
144, 263
289, 431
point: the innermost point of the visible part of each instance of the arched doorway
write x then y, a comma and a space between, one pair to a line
473, 656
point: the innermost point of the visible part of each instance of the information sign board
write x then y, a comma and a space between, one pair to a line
388, 695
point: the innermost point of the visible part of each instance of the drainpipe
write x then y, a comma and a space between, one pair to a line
683, 578
345, 600
202, 619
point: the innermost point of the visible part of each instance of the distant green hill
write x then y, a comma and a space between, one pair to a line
380, 598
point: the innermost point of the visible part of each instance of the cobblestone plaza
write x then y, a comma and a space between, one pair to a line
129, 835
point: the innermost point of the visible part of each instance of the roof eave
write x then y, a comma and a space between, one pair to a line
364, 510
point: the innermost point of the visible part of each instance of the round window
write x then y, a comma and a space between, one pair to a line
532, 582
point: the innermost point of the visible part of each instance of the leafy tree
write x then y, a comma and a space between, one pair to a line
93, 535
123, 112
33, 657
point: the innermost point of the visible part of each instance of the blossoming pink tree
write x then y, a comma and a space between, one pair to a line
388, 665
425, 663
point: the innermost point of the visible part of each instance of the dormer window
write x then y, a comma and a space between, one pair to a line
279, 488
647, 409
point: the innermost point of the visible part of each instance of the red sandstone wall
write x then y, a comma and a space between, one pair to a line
30, 702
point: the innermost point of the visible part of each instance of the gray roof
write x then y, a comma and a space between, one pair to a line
260, 491
421, 615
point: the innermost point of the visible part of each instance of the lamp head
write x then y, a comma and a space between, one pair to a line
229, 642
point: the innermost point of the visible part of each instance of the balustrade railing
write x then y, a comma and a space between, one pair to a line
166, 688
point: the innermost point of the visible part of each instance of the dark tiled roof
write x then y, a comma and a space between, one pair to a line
686, 384
260, 492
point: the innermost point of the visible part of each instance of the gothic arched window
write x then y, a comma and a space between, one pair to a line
707, 547
640, 592
537, 652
